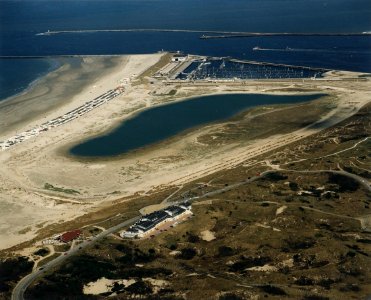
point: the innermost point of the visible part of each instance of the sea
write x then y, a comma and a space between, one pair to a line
21, 21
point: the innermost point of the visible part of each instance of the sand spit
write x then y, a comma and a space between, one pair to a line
54, 90
27, 167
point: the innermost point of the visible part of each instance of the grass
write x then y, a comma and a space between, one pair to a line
307, 248
48, 259
53, 188
263, 122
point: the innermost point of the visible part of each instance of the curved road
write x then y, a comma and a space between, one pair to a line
20, 288
362, 181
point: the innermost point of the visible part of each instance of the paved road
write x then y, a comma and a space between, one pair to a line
227, 188
20, 288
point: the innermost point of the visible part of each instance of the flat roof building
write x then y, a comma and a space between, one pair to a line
149, 223
179, 57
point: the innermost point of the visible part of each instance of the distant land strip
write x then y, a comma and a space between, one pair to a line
213, 33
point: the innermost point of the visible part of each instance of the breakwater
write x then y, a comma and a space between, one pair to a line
280, 34
208, 34
54, 32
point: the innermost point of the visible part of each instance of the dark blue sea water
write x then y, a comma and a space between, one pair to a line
161, 122
20, 21
18, 74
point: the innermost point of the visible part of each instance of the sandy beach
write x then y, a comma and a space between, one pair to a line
26, 206
54, 90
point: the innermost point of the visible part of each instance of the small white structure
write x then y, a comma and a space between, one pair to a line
179, 57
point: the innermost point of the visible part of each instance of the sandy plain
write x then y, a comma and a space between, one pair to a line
26, 206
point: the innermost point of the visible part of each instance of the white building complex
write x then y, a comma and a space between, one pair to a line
148, 224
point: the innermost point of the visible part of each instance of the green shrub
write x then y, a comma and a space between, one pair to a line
187, 253
15, 268
225, 251
273, 290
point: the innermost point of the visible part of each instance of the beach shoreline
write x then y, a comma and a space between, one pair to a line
51, 91
54, 65
31, 206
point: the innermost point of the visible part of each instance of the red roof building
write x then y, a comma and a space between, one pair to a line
70, 235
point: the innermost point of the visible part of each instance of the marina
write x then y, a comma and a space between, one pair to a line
227, 68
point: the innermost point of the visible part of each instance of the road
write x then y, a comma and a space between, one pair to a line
362, 181
227, 188
20, 288
347, 149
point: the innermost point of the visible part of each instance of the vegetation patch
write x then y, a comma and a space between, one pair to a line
273, 290
13, 269
140, 287
224, 251
275, 176
187, 253
300, 243
345, 183
230, 296
53, 188
42, 252
249, 262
